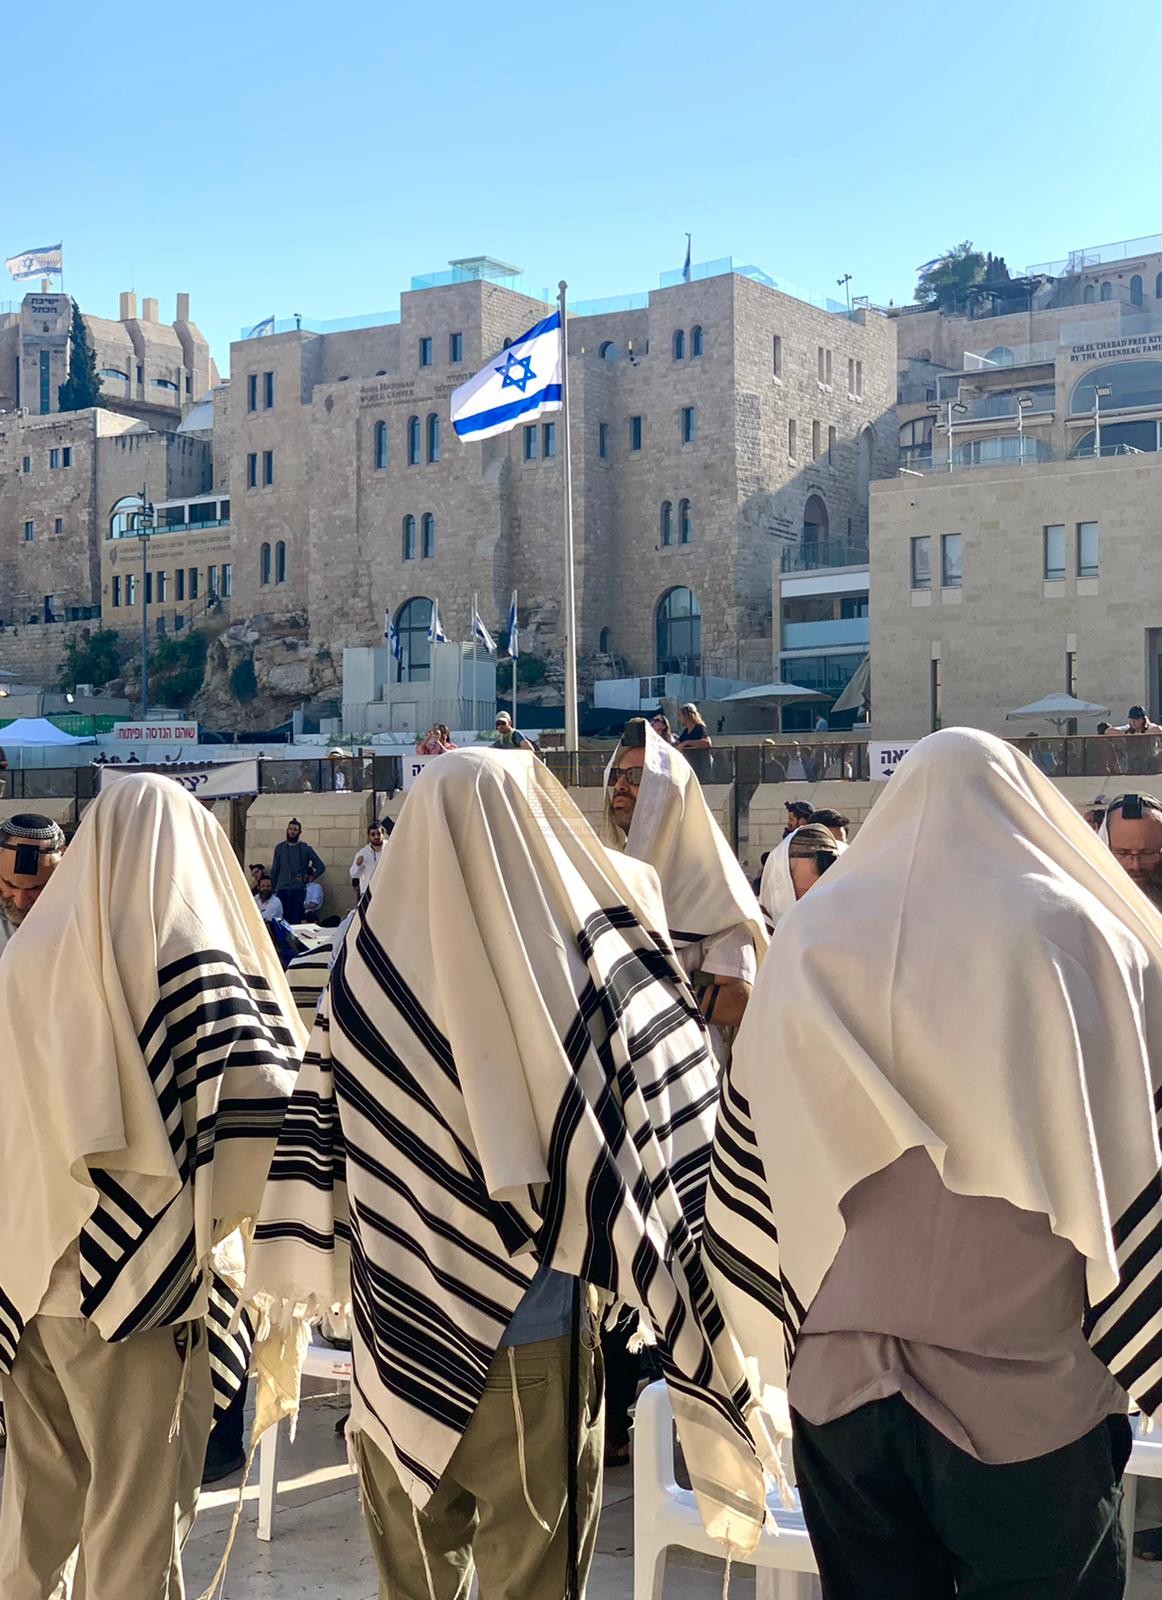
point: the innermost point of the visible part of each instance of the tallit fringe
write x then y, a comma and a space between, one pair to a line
726, 1573
219, 1577
520, 1446
277, 1318
175, 1422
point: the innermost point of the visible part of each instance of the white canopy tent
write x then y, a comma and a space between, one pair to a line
1057, 709
38, 733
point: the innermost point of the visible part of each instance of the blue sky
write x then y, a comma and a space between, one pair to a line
300, 158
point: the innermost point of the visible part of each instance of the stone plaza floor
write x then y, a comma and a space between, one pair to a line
319, 1551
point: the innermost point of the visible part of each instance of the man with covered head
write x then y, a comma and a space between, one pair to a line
655, 810
30, 850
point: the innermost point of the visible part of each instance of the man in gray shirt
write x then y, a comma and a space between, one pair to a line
292, 857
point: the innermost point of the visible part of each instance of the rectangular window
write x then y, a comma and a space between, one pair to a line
859, 379
193, 584
54, 458
140, 373
149, 588
252, 471
267, 467
827, 379
1087, 549
687, 424
179, 583
1053, 544
131, 588
792, 437
455, 348
26, 464
603, 440
531, 442
268, 391
819, 353
549, 440
212, 580
227, 580
46, 382
635, 433
816, 440
936, 696
922, 562
116, 591
425, 352
851, 374
29, 532
831, 447
1071, 673
777, 355
162, 586
950, 571
67, 456
252, 392
58, 524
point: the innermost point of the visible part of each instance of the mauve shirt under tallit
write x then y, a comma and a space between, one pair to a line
969, 1308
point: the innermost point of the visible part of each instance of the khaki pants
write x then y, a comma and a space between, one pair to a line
90, 1462
479, 1513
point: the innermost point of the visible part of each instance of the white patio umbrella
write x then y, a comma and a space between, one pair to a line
1058, 709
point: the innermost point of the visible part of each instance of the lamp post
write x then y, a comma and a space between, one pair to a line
954, 407
146, 520
1102, 391
1024, 403
845, 283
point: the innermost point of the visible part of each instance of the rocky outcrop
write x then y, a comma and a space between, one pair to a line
272, 664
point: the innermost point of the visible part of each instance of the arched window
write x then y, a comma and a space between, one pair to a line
696, 340
433, 436
1089, 294
607, 350
123, 517
684, 523
428, 536
1120, 438
413, 441
1107, 290
603, 641
679, 632
412, 621
1135, 384
280, 561
679, 345
1000, 355
1136, 297
409, 538
380, 446
264, 565
666, 523
113, 372
815, 520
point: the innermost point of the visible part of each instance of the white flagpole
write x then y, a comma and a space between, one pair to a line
514, 613
571, 742
475, 694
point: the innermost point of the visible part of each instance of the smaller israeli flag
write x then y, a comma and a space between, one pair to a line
513, 630
436, 634
391, 636
481, 633
516, 386
260, 328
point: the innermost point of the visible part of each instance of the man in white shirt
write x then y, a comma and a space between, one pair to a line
268, 903
366, 860
313, 898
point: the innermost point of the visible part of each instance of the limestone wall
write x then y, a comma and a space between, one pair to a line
333, 824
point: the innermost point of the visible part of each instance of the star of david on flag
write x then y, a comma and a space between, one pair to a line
436, 634
391, 636
480, 632
516, 386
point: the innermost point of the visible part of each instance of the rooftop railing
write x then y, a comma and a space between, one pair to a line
814, 556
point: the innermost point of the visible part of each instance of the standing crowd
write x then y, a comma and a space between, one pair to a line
864, 1164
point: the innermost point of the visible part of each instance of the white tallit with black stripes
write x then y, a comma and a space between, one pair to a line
508, 1068
149, 1041
977, 976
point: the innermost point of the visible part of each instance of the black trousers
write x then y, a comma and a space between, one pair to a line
897, 1512
292, 896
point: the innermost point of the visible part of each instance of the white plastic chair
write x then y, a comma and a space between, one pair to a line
322, 1362
665, 1515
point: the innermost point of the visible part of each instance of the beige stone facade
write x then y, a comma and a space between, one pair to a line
335, 825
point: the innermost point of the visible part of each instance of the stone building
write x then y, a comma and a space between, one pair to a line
713, 423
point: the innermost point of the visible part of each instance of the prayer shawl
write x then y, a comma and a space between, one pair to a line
777, 889
507, 1069
148, 1040
673, 829
979, 978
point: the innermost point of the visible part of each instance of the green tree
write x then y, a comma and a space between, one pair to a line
82, 387
943, 285
91, 658
177, 668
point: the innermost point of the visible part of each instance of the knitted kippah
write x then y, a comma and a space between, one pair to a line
31, 825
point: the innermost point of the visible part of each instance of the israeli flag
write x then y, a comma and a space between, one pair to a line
516, 386
481, 633
391, 636
513, 630
260, 328
436, 634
